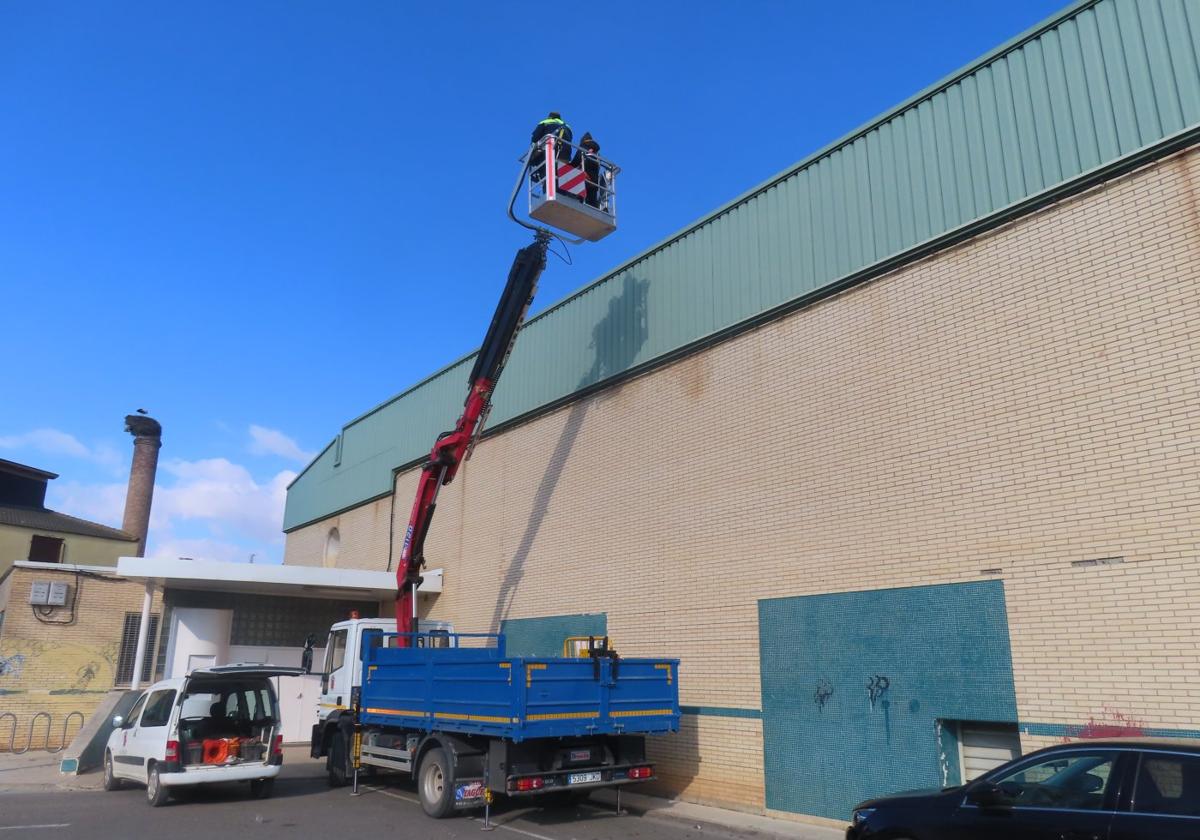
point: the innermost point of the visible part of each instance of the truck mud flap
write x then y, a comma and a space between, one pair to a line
469, 793
316, 746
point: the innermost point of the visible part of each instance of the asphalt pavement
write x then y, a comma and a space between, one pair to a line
304, 805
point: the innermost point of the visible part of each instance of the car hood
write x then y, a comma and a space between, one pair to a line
910, 797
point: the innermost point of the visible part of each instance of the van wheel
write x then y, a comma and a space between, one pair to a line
435, 785
156, 792
111, 782
337, 761
262, 788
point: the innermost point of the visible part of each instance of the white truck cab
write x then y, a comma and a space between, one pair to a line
342, 670
340, 675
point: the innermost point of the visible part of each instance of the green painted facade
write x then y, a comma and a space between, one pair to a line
1102, 81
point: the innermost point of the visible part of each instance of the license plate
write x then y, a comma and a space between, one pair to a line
582, 778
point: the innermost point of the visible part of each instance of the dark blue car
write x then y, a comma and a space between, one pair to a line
1119, 789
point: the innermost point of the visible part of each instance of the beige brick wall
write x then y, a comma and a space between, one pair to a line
363, 538
1022, 401
695, 762
61, 668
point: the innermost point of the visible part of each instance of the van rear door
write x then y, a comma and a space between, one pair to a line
245, 670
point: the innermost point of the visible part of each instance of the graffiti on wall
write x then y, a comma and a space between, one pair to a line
56, 667
823, 693
1109, 723
61, 679
10, 666
877, 687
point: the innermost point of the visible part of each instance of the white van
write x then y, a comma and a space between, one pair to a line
218, 724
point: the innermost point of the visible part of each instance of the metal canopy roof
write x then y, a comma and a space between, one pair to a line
296, 581
1102, 82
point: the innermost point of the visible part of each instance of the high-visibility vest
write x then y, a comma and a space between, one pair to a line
554, 121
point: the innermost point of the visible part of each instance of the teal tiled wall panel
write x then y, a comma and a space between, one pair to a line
544, 636
854, 684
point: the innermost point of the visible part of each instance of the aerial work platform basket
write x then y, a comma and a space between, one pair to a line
581, 196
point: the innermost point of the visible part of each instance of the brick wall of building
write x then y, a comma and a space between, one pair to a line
65, 666
1023, 402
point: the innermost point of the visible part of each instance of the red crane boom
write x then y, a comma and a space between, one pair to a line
455, 446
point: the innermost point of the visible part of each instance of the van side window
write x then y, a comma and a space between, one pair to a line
131, 719
198, 705
158, 708
252, 704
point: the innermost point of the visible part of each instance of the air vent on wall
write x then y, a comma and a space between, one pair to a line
1098, 561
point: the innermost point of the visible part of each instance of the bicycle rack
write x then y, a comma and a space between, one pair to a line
12, 735
33, 723
66, 724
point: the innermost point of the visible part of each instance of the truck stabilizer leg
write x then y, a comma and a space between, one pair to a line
487, 812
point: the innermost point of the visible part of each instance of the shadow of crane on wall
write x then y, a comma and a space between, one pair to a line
616, 341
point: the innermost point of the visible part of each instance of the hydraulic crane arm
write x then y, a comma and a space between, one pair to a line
455, 446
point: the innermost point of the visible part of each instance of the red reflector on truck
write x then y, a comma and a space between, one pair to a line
535, 783
641, 772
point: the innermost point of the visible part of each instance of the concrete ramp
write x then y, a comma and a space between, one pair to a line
87, 749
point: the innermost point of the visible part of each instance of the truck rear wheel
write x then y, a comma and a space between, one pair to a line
435, 784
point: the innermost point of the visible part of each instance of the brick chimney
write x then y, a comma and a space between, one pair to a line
147, 439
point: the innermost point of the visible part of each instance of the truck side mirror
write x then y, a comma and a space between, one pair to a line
307, 656
117, 721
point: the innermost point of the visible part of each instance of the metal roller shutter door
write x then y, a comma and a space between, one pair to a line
987, 747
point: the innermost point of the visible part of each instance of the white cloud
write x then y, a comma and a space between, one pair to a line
103, 503
264, 441
226, 512
57, 442
224, 495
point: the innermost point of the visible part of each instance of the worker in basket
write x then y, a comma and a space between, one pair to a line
552, 125
587, 159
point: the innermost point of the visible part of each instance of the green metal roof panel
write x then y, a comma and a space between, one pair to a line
1097, 82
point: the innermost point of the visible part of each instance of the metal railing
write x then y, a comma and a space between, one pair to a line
12, 735
32, 724
62, 745
600, 174
67, 725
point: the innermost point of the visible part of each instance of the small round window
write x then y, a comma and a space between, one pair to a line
333, 545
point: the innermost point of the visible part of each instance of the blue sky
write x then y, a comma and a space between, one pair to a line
259, 219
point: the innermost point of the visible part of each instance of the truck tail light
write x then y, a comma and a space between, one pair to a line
641, 772
172, 753
277, 749
536, 783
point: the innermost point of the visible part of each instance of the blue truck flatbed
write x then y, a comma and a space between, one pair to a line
479, 690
